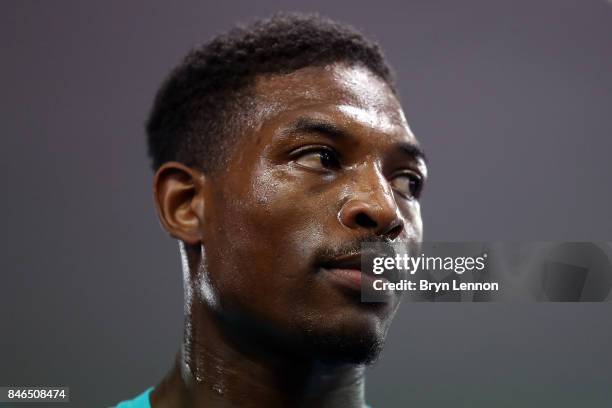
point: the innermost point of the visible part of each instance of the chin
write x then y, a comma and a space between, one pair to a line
346, 349
346, 339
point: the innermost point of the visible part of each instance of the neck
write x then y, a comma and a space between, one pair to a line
215, 368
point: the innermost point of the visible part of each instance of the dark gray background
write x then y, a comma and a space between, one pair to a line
512, 100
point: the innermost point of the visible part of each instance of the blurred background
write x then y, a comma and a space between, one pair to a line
511, 99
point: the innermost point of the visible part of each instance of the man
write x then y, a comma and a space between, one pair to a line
278, 149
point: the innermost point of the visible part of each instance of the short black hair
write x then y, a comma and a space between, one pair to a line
194, 115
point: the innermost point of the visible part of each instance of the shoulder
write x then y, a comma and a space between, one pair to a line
141, 401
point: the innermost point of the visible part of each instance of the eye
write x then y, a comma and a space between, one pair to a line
320, 158
408, 185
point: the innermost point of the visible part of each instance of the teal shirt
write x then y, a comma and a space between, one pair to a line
141, 401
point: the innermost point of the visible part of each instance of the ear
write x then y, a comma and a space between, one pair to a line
179, 199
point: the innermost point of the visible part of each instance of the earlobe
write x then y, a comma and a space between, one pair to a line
179, 199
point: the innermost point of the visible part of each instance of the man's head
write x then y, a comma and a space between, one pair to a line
278, 149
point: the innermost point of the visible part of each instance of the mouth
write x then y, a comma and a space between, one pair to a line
346, 272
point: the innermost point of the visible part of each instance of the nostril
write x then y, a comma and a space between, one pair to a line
394, 232
365, 221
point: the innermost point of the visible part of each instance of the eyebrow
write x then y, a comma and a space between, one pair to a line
413, 150
311, 125
323, 127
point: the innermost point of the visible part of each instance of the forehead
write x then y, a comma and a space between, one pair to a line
352, 94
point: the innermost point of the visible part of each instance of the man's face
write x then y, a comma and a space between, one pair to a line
328, 162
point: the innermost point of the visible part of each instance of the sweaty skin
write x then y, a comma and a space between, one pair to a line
327, 161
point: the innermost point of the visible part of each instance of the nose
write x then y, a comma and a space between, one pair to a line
374, 211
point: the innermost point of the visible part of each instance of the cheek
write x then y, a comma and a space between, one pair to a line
264, 235
411, 211
288, 206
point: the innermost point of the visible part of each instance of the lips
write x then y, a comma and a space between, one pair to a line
346, 271
350, 261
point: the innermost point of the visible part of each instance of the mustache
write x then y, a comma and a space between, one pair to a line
324, 254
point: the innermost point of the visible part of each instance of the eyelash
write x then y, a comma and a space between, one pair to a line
414, 178
297, 154
302, 152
